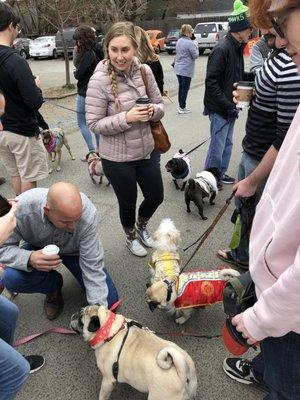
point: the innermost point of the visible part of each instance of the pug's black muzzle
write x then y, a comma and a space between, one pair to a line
153, 305
76, 323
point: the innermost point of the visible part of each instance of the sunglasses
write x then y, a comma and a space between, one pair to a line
277, 28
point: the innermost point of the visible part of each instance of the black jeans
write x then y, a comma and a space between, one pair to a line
184, 87
124, 177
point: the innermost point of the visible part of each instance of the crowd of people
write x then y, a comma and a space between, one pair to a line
112, 124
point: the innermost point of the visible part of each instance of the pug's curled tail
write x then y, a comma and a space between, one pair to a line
183, 364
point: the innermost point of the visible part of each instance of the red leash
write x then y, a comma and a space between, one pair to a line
59, 329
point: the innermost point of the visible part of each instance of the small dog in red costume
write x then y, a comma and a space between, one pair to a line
188, 291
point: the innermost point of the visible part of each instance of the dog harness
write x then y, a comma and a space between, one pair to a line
199, 288
166, 262
103, 336
55, 141
207, 182
187, 163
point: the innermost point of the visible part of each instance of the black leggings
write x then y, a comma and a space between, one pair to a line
124, 177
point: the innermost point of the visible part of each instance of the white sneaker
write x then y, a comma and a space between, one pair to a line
136, 248
183, 110
144, 237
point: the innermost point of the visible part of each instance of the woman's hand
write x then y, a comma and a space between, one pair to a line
8, 222
139, 113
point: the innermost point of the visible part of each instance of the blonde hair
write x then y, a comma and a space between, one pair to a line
186, 30
118, 29
145, 50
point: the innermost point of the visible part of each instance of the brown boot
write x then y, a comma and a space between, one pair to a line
54, 302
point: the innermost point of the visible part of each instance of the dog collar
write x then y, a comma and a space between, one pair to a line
170, 290
50, 146
103, 334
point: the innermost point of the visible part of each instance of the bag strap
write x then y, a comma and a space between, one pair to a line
144, 77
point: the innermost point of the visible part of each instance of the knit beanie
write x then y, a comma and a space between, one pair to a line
238, 20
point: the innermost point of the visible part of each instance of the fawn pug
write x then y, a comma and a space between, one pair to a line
128, 353
95, 168
53, 140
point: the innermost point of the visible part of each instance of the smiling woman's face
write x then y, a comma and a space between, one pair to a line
121, 53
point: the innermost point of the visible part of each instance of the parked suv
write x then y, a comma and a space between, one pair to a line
68, 34
171, 40
22, 46
208, 34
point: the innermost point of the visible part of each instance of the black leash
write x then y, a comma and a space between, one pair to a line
65, 108
206, 140
205, 235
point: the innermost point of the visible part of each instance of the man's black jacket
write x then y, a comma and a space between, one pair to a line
224, 68
22, 97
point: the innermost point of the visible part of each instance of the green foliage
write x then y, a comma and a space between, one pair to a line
69, 86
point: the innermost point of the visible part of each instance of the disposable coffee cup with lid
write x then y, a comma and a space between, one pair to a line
50, 250
245, 92
143, 102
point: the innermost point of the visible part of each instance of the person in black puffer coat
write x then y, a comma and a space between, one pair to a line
87, 54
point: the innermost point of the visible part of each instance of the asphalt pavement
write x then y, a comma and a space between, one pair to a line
70, 372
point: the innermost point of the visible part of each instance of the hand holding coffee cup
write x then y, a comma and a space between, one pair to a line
243, 94
143, 102
46, 259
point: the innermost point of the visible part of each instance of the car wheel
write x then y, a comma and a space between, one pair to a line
35, 58
54, 55
170, 52
201, 51
23, 54
157, 50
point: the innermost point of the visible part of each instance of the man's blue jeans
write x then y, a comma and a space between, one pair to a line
47, 282
278, 366
14, 369
184, 87
81, 120
220, 147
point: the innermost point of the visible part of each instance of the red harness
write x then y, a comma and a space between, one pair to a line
199, 288
103, 334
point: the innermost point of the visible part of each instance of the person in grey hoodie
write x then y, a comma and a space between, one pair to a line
186, 54
62, 216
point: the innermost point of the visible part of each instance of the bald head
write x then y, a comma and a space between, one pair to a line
64, 205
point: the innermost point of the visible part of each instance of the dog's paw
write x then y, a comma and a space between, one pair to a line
212, 203
180, 321
73, 158
188, 210
58, 169
204, 218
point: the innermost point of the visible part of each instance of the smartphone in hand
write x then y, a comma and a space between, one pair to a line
4, 206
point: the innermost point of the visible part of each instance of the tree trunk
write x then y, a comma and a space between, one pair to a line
66, 56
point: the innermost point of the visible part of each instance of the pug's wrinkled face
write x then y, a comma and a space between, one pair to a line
86, 322
46, 135
156, 295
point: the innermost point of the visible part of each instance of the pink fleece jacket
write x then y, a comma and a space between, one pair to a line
274, 246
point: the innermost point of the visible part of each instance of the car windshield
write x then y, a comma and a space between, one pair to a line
205, 28
174, 33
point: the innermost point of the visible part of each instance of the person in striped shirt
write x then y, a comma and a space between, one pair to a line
277, 88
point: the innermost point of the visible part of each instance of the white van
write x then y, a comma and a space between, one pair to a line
209, 33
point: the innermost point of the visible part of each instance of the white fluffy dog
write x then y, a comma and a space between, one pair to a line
165, 260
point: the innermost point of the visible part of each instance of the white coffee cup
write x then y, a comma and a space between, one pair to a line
245, 92
50, 250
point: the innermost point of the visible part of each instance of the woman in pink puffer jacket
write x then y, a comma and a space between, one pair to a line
126, 144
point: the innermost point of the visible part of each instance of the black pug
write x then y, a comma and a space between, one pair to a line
204, 185
180, 168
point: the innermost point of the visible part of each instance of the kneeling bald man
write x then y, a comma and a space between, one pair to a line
63, 216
